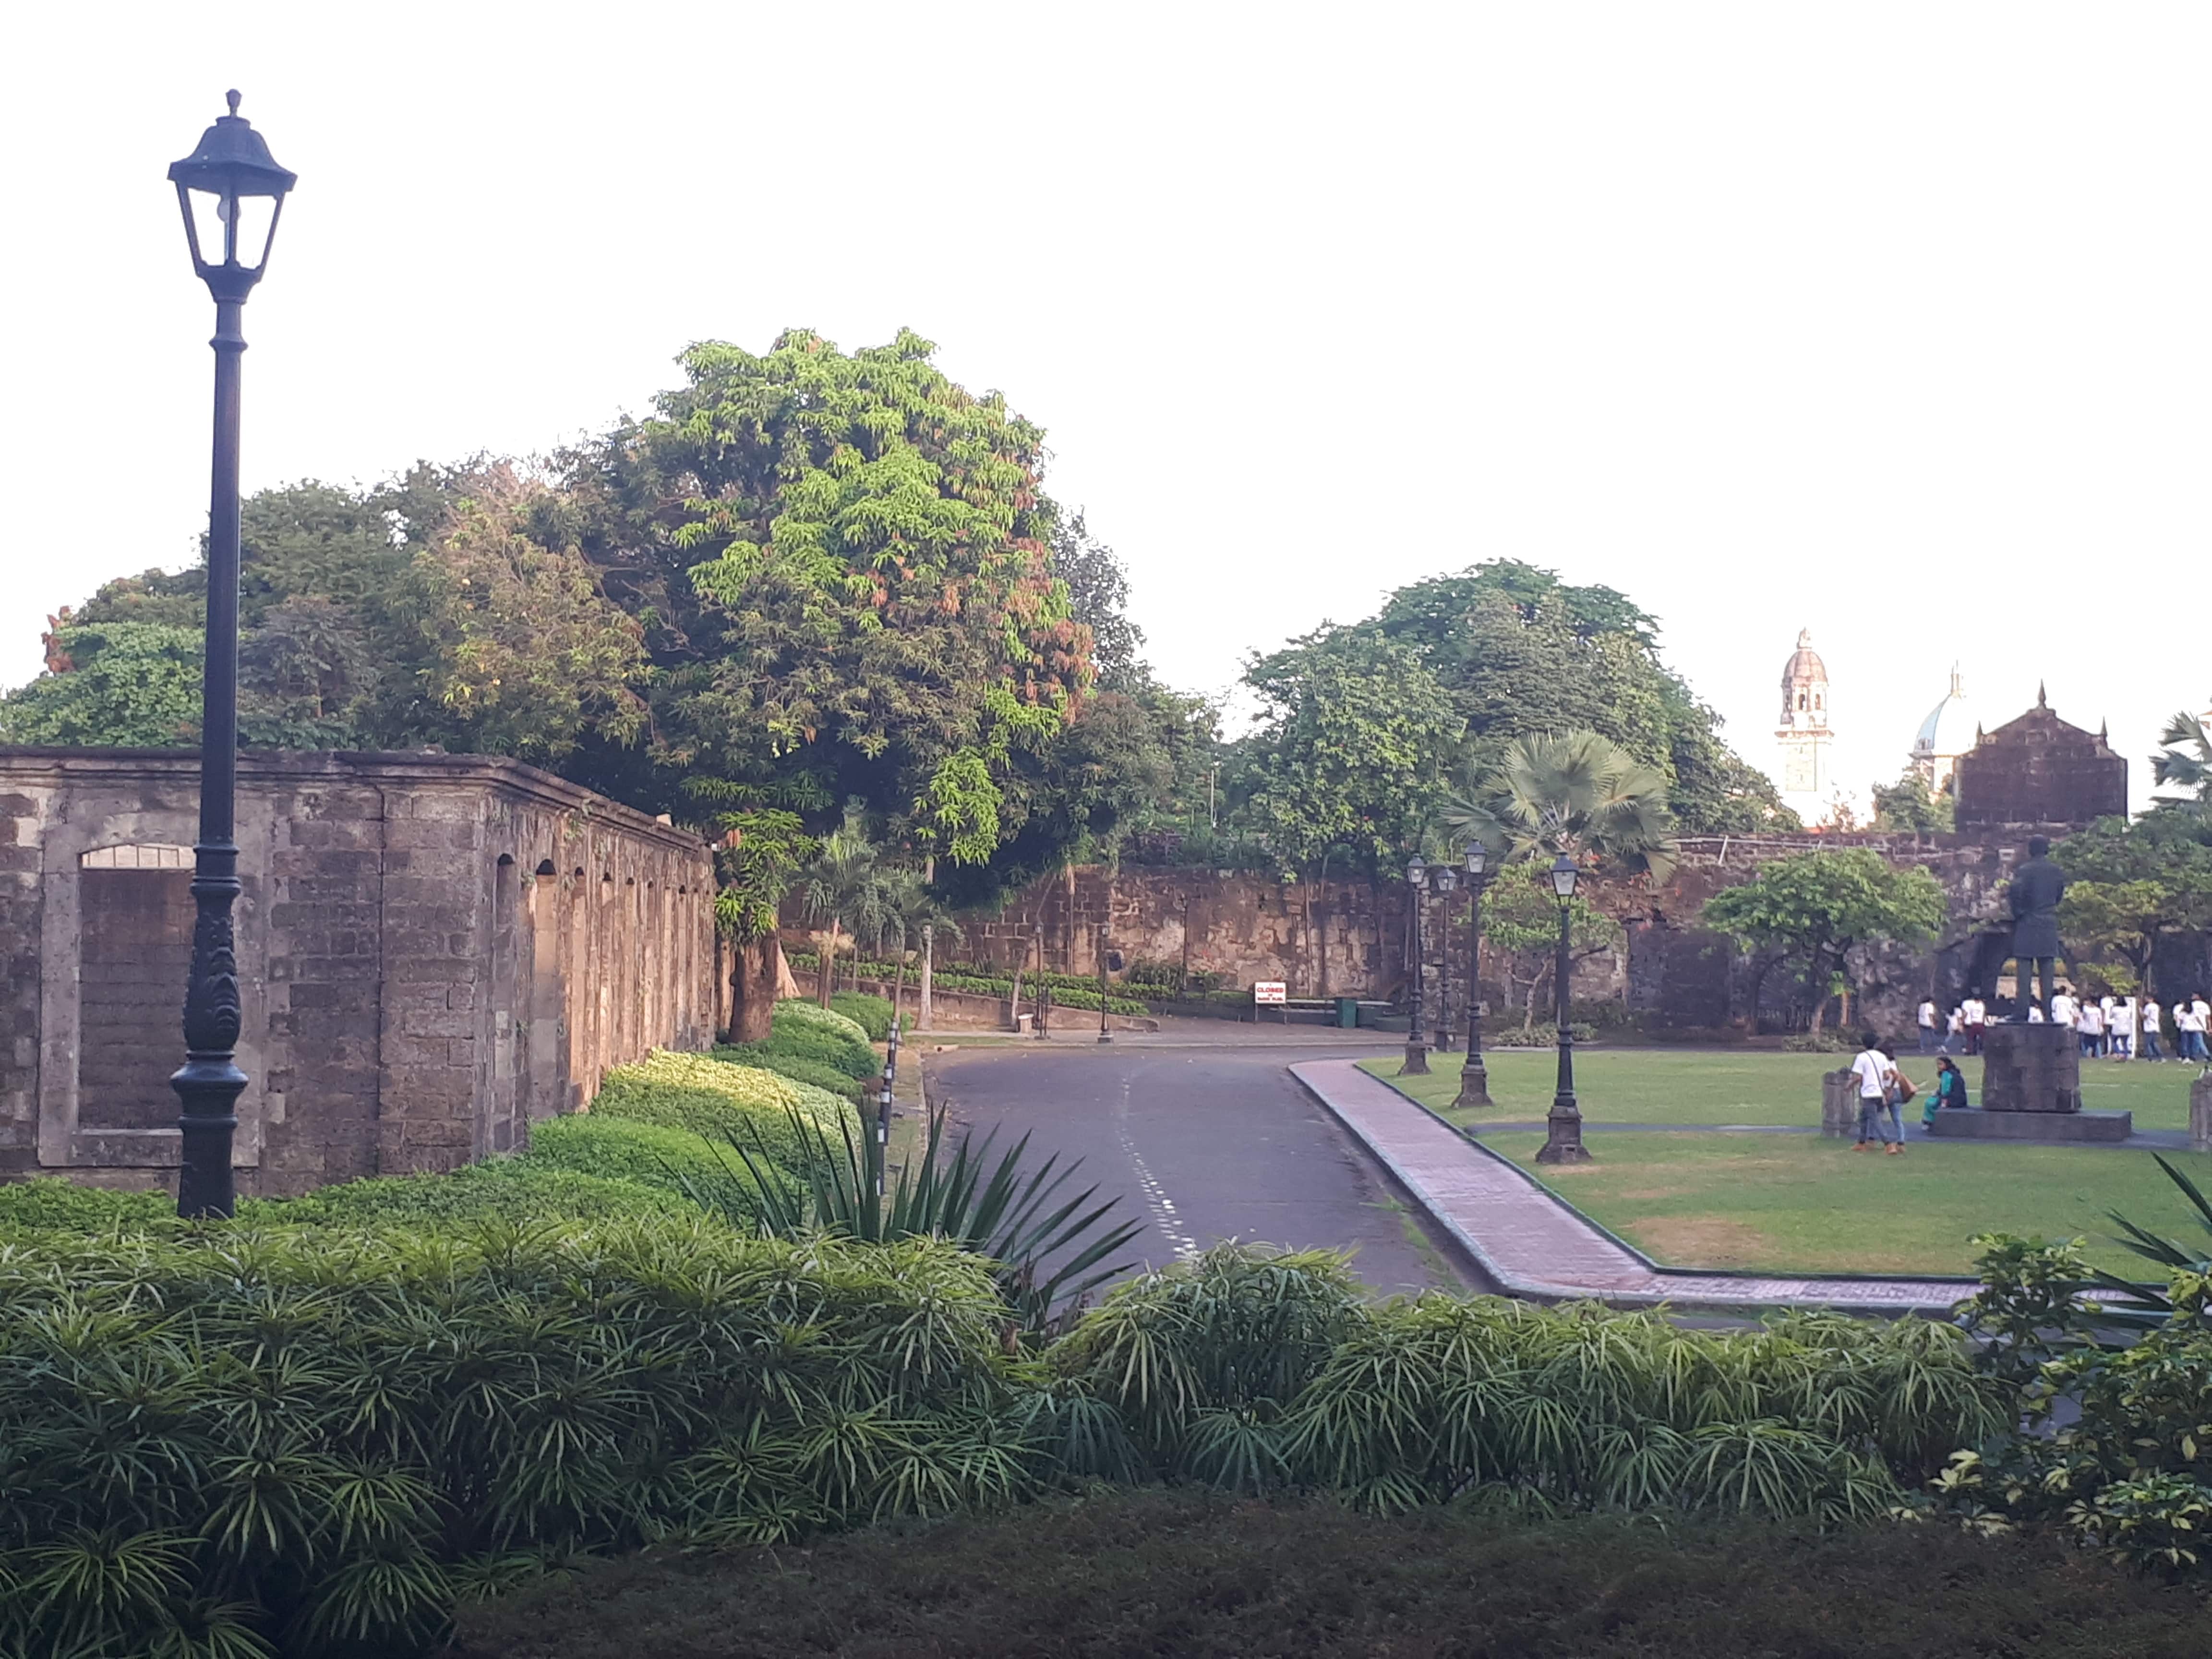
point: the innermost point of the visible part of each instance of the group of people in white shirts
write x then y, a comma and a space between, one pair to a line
2116, 1028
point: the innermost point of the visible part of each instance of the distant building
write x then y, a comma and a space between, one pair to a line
1950, 730
2040, 770
1803, 733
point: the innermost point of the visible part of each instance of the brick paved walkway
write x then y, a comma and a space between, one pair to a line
1534, 1246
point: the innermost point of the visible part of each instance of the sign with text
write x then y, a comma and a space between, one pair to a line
1270, 993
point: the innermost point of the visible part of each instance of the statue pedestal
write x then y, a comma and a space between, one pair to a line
2032, 1091
2031, 1068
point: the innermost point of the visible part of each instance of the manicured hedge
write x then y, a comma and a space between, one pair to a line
710, 1097
803, 1031
513, 1189
873, 1014
766, 1057
49, 1201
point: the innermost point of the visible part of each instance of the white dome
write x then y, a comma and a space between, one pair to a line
1951, 726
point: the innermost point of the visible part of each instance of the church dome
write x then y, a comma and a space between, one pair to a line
1804, 663
1951, 726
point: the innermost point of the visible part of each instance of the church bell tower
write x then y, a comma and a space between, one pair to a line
1802, 732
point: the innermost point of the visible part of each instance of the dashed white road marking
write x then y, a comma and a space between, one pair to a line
1156, 1197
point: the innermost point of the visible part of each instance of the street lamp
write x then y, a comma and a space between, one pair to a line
1447, 879
231, 191
1563, 1142
1417, 1052
1473, 1076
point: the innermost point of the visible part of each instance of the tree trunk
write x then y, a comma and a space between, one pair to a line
1817, 983
827, 977
1528, 1007
924, 1015
752, 989
1014, 994
898, 987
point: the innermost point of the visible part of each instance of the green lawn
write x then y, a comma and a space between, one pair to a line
1801, 1203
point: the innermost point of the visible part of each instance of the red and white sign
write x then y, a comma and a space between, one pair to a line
1270, 993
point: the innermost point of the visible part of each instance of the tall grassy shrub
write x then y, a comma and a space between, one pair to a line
312, 1440
715, 1099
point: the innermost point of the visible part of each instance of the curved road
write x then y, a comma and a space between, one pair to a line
1204, 1144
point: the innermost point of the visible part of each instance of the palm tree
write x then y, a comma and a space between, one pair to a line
2187, 760
844, 886
907, 907
1577, 793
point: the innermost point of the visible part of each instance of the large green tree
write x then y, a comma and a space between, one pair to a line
1522, 653
1577, 794
2134, 884
1349, 753
843, 567
1813, 907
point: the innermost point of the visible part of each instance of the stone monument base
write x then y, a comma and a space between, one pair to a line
2031, 1068
2076, 1128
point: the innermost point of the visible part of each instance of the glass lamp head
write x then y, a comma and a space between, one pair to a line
1477, 856
231, 191
1417, 870
1447, 879
1563, 876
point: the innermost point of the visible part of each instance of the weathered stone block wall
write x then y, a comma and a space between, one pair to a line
435, 951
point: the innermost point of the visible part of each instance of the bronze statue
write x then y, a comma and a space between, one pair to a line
2037, 887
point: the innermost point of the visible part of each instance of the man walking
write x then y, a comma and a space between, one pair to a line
1873, 1072
1975, 1015
1929, 1016
2147, 1020
2120, 1028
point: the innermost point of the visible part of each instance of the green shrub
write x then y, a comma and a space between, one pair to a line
784, 1064
803, 1031
717, 1100
503, 1190
47, 1201
872, 1014
309, 1443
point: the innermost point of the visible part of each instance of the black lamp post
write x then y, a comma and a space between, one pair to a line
1473, 1076
1416, 1051
1447, 881
1563, 1142
231, 191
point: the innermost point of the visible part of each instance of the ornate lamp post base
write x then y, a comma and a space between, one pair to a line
1473, 1083
1565, 1143
1417, 1060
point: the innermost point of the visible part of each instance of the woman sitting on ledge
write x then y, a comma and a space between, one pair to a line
1950, 1090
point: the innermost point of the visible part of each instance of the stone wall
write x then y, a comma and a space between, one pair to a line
1325, 939
1348, 938
435, 950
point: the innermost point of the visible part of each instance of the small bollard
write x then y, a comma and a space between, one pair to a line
2199, 1113
1840, 1105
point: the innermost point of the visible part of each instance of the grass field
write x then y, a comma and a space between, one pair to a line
1801, 1203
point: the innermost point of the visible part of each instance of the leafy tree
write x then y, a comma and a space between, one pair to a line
2133, 882
1520, 922
843, 567
1351, 749
1573, 792
1522, 653
1814, 907
520, 652
1909, 804
132, 684
1098, 598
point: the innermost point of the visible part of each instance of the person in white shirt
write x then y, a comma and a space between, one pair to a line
2188, 1030
2034, 1015
2120, 1028
2147, 1022
1954, 1031
1876, 1076
2062, 1009
1929, 1018
1976, 1014
2089, 1026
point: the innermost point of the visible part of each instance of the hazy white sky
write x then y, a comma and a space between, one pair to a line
1890, 320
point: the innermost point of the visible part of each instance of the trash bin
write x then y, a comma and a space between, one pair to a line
1347, 1013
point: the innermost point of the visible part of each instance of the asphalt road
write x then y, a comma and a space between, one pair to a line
1206, 1144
